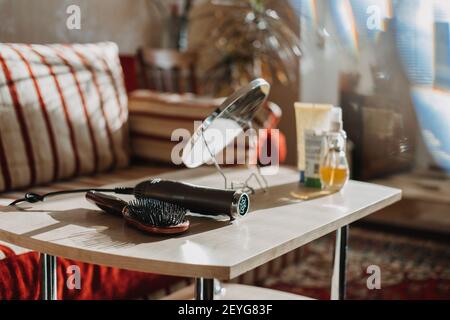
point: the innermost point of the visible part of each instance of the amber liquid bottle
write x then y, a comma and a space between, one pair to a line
334, 169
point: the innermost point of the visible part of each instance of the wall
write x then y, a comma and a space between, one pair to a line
128, 23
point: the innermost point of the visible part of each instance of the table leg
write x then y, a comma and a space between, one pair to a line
49, 287
339, 264
204, 289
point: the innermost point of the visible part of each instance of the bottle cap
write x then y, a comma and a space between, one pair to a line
336, 119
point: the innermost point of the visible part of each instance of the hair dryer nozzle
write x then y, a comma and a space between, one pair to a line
240, 204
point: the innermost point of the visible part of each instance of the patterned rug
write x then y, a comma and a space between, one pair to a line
410, 268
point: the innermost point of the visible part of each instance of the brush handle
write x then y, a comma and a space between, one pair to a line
107, 203
203, 200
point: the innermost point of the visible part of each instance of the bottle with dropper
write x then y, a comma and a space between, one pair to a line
334, 170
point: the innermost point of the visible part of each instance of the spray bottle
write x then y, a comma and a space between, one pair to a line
334, 169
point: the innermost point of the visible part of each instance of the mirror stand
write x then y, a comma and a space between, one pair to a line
255, 175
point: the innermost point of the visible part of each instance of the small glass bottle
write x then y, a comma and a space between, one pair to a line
334, 170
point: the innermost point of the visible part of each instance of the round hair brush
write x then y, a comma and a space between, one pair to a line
147, 214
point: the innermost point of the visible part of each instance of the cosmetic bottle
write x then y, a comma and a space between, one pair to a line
312, 121
334, 169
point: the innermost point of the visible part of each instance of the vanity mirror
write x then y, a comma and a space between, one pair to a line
220, 129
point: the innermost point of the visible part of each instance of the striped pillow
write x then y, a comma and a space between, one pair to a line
63, 112
154, 116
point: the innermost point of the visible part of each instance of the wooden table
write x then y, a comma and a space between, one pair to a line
279, 222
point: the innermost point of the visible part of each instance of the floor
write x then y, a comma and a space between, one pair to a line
410, 267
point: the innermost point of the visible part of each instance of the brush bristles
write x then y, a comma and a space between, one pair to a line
156, 213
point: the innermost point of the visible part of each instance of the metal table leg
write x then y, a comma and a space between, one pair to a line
49, 287
204, 289
339, 264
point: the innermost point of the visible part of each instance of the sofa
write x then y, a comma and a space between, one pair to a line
64, 125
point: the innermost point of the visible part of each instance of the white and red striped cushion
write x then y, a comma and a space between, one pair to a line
63, 112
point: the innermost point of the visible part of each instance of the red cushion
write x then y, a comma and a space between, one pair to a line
20, 274
265, 147
130, 74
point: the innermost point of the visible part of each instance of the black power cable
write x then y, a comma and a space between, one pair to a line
32, 197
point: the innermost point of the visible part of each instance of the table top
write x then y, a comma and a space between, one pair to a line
279, 222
